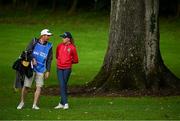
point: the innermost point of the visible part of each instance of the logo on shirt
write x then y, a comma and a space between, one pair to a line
40, 54
69, 49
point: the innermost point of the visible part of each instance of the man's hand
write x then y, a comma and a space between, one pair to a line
34, 61
46, 75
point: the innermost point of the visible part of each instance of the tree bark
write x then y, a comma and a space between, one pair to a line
54, 2
178, 8
73, 7
35, 4
133, 59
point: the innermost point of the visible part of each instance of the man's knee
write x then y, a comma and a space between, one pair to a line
24, 89
38, 89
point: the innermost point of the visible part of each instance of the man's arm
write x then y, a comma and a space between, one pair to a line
49, 60
48, 63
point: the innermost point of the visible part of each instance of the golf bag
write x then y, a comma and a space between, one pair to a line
23, 68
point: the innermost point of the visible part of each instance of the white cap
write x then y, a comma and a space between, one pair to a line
45, 32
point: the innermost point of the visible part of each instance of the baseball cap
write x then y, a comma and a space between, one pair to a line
45, 32
66, 35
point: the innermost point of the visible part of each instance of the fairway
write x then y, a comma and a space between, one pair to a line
91, 38
95, 108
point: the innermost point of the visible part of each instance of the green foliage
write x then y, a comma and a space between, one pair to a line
90, 31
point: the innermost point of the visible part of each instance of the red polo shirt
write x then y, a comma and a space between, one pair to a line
66, 55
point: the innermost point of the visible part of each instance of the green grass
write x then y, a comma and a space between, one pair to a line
111, 108
170, 44
90, 31
91, 42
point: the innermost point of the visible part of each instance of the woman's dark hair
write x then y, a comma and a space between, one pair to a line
72, 41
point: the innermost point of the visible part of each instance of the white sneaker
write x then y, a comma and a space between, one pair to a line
20, 106
66, 106
59, 106
35, 107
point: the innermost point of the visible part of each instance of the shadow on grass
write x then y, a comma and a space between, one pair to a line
84, 91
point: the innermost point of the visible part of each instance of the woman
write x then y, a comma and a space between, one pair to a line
66, 55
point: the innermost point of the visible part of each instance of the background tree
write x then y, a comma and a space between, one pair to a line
167, 7
133, 59
178, 8
102, 4
54, 3
73, 7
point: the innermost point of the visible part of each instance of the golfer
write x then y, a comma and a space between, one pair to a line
66, 55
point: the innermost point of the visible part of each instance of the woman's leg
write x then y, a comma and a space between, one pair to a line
66, 75
62, 84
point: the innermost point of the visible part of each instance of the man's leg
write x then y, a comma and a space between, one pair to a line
27, 83
23, 93
37, 95
39, 78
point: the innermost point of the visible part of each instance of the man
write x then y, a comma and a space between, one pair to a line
41, 63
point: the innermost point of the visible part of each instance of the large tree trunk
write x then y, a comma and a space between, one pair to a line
133, 59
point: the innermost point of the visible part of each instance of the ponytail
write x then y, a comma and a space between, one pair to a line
72, 41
